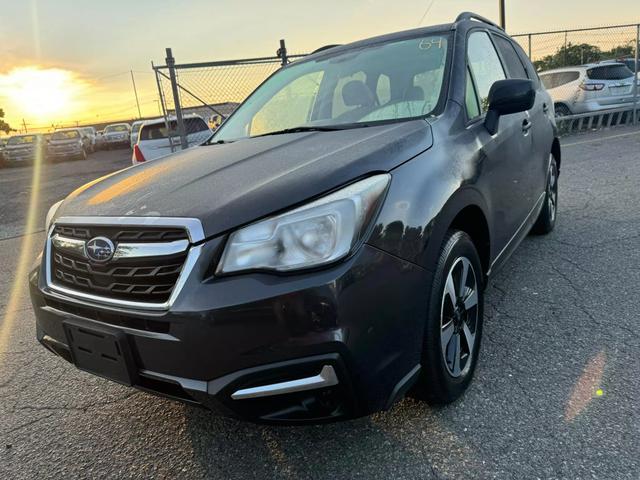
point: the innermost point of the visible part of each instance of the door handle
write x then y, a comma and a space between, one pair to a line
545, 108
526, 126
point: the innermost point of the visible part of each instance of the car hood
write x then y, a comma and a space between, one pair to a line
228, 185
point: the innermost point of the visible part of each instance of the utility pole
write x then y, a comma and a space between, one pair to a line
135, 91
503, 20
24, 124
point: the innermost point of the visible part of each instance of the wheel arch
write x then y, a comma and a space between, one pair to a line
466, 210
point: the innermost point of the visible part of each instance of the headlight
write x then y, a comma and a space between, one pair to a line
316, 234
50, 214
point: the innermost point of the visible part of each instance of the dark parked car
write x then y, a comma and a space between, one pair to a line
327, 250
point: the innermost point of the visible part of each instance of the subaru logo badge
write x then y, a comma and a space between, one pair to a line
99, 249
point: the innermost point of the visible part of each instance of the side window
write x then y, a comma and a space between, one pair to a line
339, 106
471, 99
484, 64
514, 66
290, 107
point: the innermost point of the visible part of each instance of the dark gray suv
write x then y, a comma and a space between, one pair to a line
327, 250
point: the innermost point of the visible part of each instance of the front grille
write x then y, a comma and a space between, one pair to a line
143, 279
122, 234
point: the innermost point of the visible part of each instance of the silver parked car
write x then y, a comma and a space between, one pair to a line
117, 135
24, 149
68, 144
589, 88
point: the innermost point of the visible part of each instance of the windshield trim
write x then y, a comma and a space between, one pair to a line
329, 53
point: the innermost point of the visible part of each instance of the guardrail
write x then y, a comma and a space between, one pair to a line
586, 122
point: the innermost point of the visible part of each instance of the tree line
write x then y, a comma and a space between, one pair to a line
582, 53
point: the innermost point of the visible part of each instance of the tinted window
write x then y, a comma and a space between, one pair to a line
512, 62
471, 99
610, 72
116, 128
485, 65
555, 80
22, 139
158, 131
65, 135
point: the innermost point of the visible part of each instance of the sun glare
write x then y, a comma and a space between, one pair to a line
39, 93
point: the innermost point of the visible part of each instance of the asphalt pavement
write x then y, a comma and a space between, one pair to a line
556, 392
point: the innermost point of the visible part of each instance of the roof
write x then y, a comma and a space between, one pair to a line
463, 18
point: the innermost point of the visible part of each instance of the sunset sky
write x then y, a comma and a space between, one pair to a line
69, 60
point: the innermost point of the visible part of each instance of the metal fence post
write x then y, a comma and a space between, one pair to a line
635, 88
282, 53
171, 62
530, 57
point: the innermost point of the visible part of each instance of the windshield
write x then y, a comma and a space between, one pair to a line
22, 139
115, 128
66, 135
389, 81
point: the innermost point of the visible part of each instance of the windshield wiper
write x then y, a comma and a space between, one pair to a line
303, 129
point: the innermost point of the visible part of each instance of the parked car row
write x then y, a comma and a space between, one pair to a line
592, 87
62, 144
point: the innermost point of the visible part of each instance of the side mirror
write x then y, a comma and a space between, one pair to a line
507, 97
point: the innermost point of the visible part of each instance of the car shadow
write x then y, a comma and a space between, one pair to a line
380, 446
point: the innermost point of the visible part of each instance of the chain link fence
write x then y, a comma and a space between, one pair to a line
210, 90
591, 74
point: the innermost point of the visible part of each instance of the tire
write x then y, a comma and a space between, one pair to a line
446, 375
546, 221
562, 110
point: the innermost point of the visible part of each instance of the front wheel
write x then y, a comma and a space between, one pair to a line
546, 221
454, 322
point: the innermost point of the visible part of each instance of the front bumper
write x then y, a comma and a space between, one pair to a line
363, 318
20, 158
117, 141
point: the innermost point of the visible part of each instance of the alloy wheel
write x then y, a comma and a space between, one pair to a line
459, 317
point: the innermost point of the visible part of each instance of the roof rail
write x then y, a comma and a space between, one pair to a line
326, 47
474, 16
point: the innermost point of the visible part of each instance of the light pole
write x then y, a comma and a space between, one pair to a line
503, 21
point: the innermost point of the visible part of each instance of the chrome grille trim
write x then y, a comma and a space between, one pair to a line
124, 250
192, 225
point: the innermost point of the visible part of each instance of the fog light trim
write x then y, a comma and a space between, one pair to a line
326, 378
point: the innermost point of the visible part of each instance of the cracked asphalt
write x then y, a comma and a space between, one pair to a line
556, 393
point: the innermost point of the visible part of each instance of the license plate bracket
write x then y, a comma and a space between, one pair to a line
102, 351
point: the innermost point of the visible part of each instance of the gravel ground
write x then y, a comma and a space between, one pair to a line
555, 394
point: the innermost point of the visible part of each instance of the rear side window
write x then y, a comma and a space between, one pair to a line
485, 66
555, 80
609, 72
512, 62
158, 131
